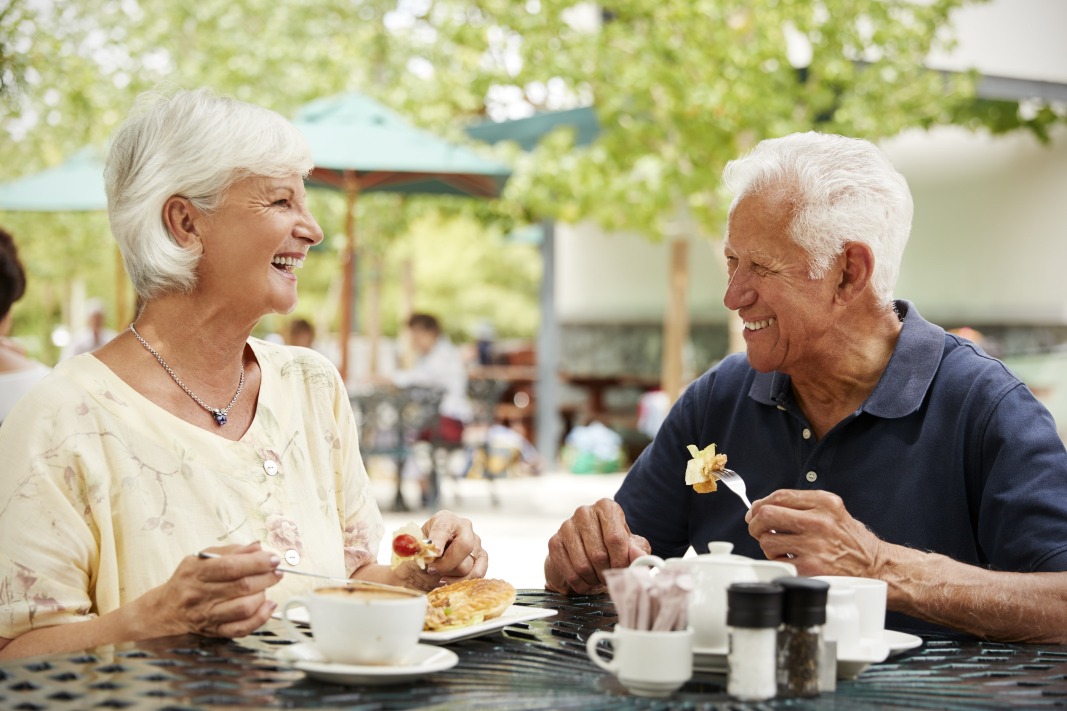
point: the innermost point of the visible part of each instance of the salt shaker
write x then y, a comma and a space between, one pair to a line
800, 640
754, 612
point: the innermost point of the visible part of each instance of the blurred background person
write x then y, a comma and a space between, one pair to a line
18, 372
301, 333
95, 333
438, 364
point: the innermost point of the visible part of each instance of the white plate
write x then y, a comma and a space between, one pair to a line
510, 616
426, 660
900, 641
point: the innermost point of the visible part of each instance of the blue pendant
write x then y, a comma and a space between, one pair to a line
220, 417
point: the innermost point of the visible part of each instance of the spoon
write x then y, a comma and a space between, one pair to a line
331, 578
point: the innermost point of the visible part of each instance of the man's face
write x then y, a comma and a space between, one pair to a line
786, 314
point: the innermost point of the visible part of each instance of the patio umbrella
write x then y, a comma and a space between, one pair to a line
75, 185
360, 146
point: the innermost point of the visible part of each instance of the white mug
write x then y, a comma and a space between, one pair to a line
646, 663
843, 621
360, 625
870, 602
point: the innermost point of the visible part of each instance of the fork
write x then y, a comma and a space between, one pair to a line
735, 483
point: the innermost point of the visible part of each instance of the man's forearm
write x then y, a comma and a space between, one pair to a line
1006, 607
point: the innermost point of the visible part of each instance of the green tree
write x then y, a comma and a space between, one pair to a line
682, 86
69, 72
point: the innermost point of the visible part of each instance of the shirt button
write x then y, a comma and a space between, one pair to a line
292, 556
271, 467
806, 434
811, 476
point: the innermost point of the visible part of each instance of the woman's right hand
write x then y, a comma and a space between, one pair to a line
215, 597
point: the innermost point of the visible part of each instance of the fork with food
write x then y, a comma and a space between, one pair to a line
707, 467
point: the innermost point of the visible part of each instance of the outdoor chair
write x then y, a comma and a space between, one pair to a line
390, 422
484, 395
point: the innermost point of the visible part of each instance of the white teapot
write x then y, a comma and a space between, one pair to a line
712, 573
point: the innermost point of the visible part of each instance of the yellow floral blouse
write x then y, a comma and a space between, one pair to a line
102, 492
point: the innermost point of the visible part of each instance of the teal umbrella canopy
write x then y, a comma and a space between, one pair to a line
352, 135
360, 146
528, 132
76, 185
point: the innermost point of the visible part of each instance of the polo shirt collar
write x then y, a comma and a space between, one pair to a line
905, 381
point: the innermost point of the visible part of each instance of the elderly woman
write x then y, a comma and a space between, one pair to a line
184, 434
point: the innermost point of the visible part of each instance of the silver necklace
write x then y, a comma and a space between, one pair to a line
218, 413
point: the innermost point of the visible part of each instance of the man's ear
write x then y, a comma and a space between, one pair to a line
181, 218
856, 265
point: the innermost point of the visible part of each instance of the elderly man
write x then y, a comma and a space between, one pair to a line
872, 442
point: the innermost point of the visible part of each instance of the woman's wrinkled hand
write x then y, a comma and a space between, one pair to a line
216, 597
462, 556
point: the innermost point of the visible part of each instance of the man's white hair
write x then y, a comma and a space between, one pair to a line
195, 144
842, 190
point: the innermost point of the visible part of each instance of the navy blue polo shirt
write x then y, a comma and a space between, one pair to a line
951, 453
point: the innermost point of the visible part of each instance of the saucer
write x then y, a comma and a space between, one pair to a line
710, 660
426, 659
714, 661
853, 663
901, 641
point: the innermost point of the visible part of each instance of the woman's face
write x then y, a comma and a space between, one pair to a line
254, 243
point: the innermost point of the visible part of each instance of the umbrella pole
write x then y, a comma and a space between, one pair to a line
348, 265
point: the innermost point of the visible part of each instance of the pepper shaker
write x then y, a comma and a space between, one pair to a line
800, 640
754, 612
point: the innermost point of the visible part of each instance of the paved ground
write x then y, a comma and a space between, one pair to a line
516, 533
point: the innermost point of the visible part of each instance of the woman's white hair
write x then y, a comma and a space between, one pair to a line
195, 144
842, 190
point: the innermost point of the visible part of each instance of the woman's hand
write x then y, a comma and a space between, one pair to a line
462, 556
217, 597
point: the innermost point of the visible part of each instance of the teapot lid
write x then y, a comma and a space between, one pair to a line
720, 547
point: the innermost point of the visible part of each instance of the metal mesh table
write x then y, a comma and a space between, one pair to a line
540, 664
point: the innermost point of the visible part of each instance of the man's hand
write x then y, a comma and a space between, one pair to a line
594, 539
813, 531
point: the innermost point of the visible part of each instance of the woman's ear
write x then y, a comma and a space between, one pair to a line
180, 218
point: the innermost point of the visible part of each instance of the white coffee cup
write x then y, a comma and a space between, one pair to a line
360, 625
843, 621
870, 595
646, 663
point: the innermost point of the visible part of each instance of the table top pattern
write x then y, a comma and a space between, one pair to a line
541, 664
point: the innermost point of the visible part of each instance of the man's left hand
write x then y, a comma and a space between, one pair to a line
813, 531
